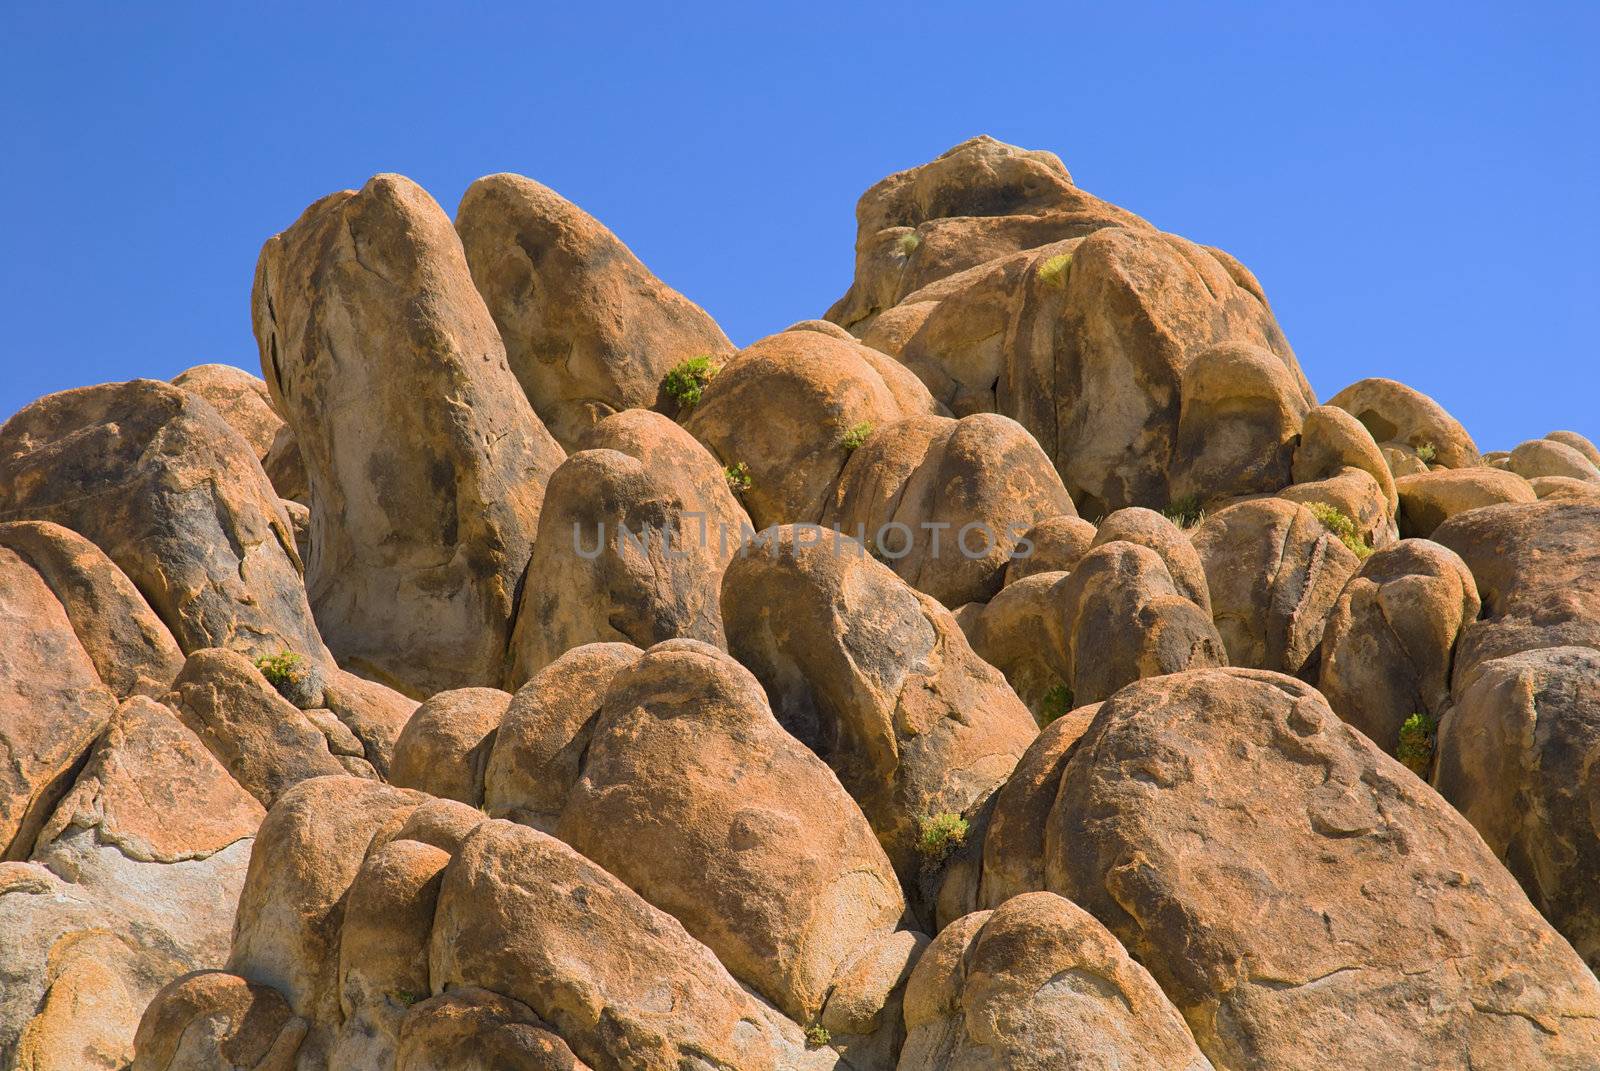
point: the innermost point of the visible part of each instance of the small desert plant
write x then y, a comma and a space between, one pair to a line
687, 382
407, 998
857, 435
1340, 524
738, 477
1054, 271
1417, 736
282, 669
1057, 701
940, 834
907, 243
817, 1036
1184, 512
1427, 452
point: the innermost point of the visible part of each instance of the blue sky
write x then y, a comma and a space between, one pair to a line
1415, 186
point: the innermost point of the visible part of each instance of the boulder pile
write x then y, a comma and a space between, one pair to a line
1016, 668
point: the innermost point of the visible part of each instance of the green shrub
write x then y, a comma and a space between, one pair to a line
1417, 737
817, 1036
687, 382
738, 478
1057, 701
857, 435
940, 834
282, 669
907, 243
1184, 512
1340, 524
1427, 452
1054, 271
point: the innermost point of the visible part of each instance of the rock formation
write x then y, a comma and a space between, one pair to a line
521, 675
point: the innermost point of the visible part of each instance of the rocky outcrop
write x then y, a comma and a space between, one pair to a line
879, 681
945, 502
1301, 898
779, 414
155, 478
445, 745
1428, 499
1408, 420
588, 330
239, 398
1519, 756
631, 545
1038, 983
426, 464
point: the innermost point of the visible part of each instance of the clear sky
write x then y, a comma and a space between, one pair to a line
1415, 184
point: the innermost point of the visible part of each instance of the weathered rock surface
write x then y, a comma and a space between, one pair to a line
631, 545
265, 742
239, 398
1122, 617
445, 747
945, 501
1018, 632
588, 330
981, 200
1537, 567
1239, 418
1548, 457
155, 478
1050, 546
1273, 572
131, 649
1397, 415
426, 464
1302, 898
878, 680
52, 704
783, 408
1519, 756
1387, 647
1428, 499
757, 850
1038, 983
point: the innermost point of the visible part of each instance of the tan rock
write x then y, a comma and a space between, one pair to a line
1563, 487
755, 847
239, 398
471, 1029
629, 550
1355, 493
131, 649
1122, 617
1388, 642
265, 742
293, 906
525, 916
426, 464
154, 477
1428, 499
1537, 567
879, 681
1038, 983
783, 406
535, 757
52, 704
1301, 898
1148, 528
213, 1019
589, 331
87, 1020
1578, 443
445, 746
980, 200
1017, 633
945, 501
1547, 457
1274, 573
1050, 546
287, 469
1395, 413
151, 789
1013, 842
1239, 418
373, 713
1519, 756
1331, 440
